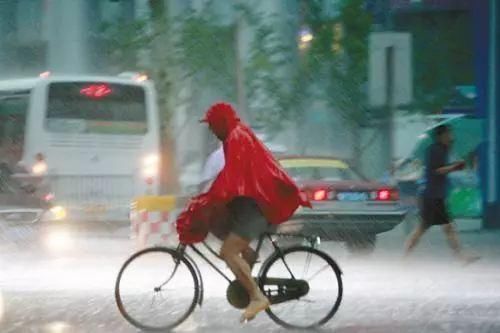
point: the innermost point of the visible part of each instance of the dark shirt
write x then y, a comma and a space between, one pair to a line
435, 183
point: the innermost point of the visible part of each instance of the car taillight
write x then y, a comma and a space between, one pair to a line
387, 195
319, 195
384, 195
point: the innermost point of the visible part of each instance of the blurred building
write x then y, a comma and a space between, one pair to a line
465, 59
465, 37
323, 131
65, 36
56, 35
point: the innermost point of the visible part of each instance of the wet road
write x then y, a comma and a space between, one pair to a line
383, 293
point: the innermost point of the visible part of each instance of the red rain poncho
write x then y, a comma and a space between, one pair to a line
250, 170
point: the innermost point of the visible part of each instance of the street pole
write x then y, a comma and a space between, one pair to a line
389, 65
389, 98
240, 68
492, 199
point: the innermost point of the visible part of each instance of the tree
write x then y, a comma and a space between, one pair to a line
279, 78
346, 65
191, 49
338, 57
127, 42
206, 51
270, 85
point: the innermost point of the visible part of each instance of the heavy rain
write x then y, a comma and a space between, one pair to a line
249, 166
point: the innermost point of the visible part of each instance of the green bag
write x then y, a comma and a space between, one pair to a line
465, 202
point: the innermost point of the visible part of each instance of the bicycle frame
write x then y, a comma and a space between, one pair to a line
181, 249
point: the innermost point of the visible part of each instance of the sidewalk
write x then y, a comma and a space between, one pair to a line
462, 224
469, 224
434, 244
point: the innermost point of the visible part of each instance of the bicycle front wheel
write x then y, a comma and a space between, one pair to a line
306, 266
156, 289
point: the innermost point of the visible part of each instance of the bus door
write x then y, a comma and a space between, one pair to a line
13, 111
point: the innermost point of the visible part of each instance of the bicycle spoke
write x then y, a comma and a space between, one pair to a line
321, 299
289, 308
160, 295
307, 264
153, 300
326, 266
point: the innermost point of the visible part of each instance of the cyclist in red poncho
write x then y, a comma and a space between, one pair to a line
251, 193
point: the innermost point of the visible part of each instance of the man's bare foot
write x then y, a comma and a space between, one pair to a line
255, 306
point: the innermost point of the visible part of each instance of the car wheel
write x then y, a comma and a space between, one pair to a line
362, 245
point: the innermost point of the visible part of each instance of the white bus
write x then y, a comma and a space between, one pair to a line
96, 138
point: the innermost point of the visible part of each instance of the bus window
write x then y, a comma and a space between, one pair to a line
96, 107
13, 110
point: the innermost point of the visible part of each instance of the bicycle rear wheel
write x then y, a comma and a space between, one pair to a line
323, 292
156, 289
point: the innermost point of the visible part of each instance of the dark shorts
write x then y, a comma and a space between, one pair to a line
246, 219
433, 212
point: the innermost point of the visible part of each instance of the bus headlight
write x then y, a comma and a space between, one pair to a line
150, 166
39, 168
58, 213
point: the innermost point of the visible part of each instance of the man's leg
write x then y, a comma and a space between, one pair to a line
231, 252
415, 238
452, 237
250, 256
424, 217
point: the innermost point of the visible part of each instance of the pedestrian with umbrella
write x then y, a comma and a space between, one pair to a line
433, 203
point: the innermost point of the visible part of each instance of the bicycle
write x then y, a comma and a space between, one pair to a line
285, 283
